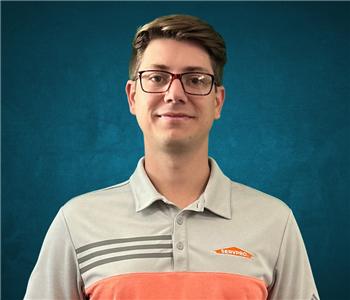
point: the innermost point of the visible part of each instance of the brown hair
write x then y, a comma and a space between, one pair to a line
181, 28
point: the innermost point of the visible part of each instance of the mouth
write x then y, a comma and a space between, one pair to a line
175, 116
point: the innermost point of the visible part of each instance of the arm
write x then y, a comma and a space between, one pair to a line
293, 275
56, 274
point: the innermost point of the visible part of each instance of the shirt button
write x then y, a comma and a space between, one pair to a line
180, 221
180, 246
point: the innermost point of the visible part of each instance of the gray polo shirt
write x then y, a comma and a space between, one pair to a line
129, 242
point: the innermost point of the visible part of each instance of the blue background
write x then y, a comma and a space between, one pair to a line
67, 130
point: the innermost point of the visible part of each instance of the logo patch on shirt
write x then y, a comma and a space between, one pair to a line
234, 251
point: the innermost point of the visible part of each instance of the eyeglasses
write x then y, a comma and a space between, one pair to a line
193, 83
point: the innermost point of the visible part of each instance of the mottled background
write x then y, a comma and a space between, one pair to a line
67, 130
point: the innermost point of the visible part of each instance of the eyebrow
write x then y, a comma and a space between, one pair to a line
194, 69
187, 69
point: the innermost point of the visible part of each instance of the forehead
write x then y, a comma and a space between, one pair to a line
175, 56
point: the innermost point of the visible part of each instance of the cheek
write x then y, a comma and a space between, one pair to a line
147, 104
144, 109
210, 109
211, 113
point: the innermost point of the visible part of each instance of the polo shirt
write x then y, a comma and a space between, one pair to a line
129, 242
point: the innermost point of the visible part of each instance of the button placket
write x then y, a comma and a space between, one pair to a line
180, 220
180, 246
180, 252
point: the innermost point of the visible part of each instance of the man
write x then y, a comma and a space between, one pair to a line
178, 229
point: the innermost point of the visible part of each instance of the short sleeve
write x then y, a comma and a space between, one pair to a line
56, 274
293, 277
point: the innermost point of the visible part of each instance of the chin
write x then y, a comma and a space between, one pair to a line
177, 146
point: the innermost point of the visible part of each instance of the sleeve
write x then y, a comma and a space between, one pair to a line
56, 274
293, 277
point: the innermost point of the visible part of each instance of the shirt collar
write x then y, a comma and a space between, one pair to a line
216, 196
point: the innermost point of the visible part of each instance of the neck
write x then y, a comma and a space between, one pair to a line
182, 177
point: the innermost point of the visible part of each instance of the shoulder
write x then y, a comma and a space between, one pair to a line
243, 199
104, 198
257, 203
256, 197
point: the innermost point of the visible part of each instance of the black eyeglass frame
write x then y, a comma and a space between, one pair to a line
177, 76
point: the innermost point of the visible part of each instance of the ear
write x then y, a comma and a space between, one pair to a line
219, 101
130, 90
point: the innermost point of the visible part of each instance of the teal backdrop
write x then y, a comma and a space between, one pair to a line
67, 130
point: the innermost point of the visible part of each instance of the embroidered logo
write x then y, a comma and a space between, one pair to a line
234, 251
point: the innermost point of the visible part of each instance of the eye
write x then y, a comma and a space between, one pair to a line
196, 79
156, 77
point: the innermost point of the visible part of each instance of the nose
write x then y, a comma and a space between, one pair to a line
175, 92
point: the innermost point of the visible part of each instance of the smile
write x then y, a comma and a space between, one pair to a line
175, 117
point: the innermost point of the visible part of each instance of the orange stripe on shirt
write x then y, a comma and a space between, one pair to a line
178, 285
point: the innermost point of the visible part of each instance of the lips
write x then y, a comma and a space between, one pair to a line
172, 115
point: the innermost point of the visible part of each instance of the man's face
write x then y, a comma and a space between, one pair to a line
174, 119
